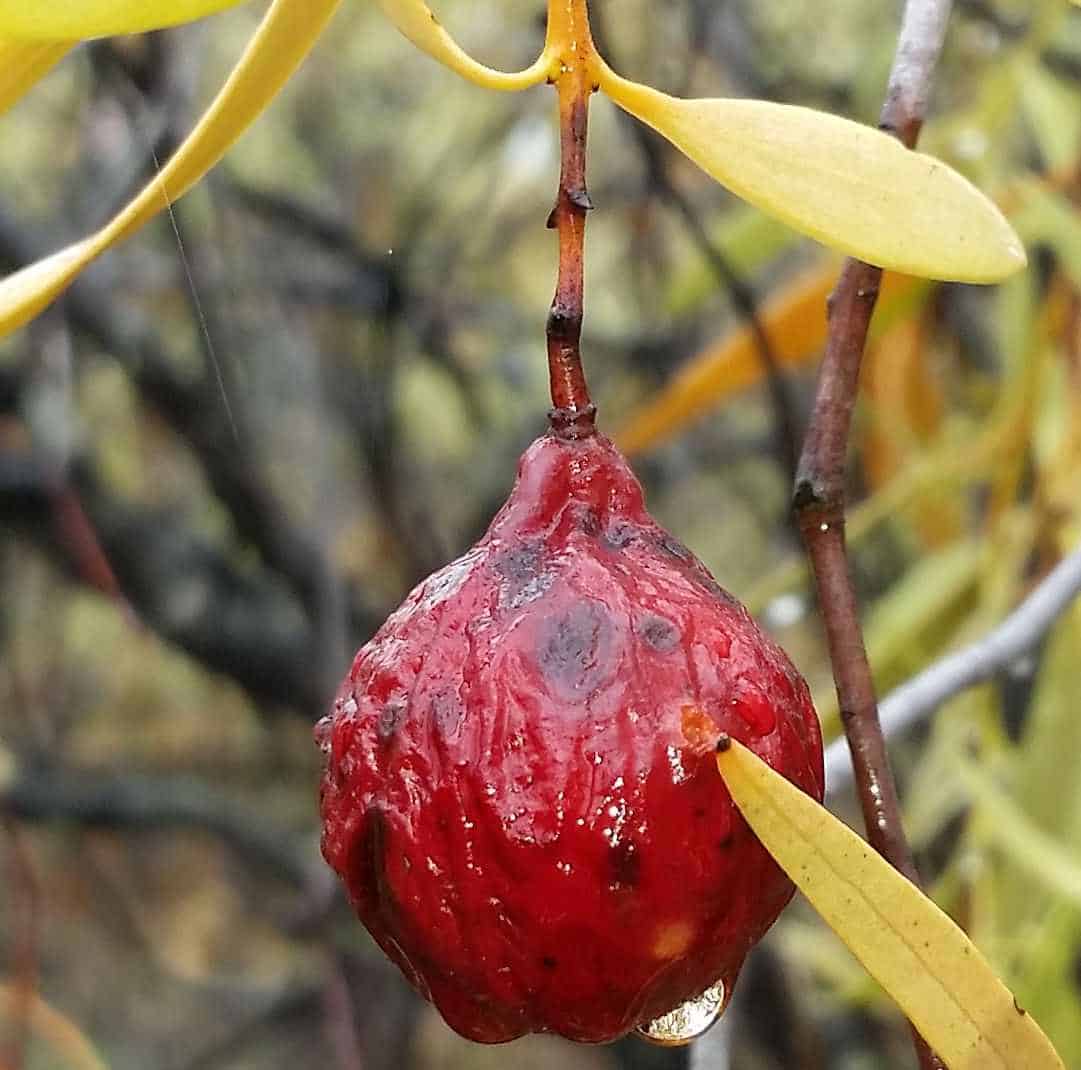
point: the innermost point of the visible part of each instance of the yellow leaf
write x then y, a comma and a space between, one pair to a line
69, 20
58, 1033
919, 956
287, 33
416, 21
847, 185
22, 63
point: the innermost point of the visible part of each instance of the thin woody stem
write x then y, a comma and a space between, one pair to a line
573, 412
819, 498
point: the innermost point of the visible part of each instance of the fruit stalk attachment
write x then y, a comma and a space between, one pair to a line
570, 44
819, 498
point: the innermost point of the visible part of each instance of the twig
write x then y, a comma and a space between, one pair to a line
785, 421
573, 411
339, 1021
654, 152
1015, 637
819, 492
130, 801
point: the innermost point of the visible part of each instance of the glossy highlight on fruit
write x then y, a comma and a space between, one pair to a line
520, 793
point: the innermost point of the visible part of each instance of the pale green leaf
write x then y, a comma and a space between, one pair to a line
919, 956
1047, 858
69, 20
847, 185
1049, 217
22, 63
287, 33
1053, 118
416, 21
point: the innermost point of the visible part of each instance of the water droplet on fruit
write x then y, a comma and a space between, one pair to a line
688, 1021
755, 710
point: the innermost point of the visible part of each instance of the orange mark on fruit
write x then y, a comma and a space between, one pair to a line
699, 729
673, 939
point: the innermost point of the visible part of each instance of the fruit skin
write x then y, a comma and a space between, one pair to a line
520, 793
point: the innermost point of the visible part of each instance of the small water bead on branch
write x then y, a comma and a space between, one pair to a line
819, 493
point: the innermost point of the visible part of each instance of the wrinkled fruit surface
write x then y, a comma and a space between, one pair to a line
520, 792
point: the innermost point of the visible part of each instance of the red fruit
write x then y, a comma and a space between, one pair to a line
520, 792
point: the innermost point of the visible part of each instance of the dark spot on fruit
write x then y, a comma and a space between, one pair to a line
575, 652
524, 575
619, 535
447, 715
699, 811
390, 717
548, 962
585, 519
624, 864
659, 633
367, 859
713, 586
520, 563
675, 548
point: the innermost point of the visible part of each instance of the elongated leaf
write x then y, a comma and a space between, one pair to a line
1051, 861
919, 956
287, 33
23, 63
847, 185
794, 321
69, 20
416, 21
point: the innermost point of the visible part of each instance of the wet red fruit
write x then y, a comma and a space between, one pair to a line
520, 793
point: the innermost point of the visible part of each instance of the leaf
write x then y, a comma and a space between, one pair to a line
57, 1032
415, 20
69, 20
23, 63
1050, 105
919, 956
795, 323
1046, 858
287, 33
1048, 217
904, 414
847, 185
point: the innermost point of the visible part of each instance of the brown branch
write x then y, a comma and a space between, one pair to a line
573, 411
819, 497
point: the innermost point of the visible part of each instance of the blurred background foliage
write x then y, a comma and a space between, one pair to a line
239, 441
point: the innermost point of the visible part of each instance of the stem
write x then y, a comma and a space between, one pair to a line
819, 498
571, 46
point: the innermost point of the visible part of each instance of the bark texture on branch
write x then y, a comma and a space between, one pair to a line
819, 495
